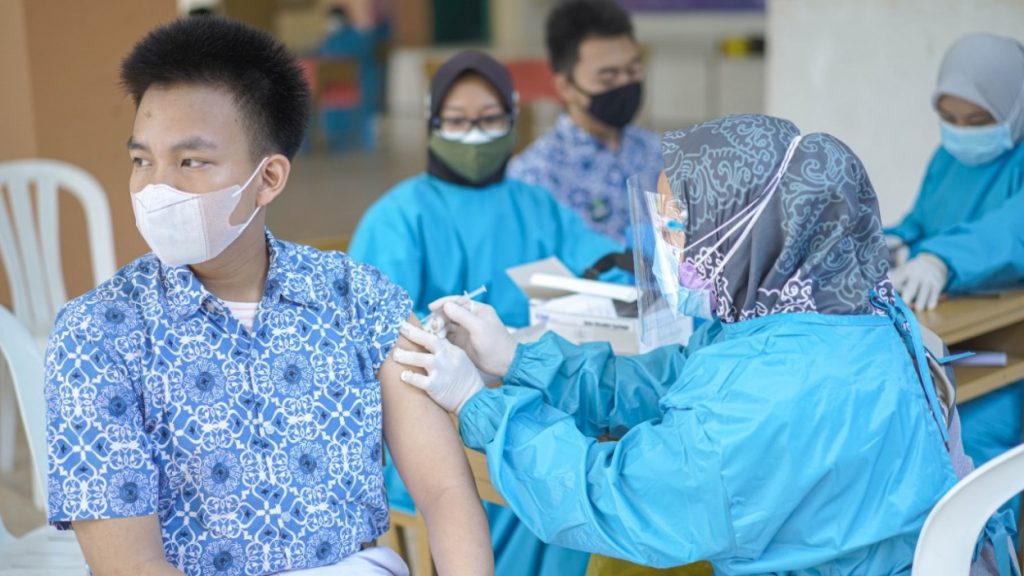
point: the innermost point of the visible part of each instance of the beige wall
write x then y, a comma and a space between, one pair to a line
67, 104
16, 98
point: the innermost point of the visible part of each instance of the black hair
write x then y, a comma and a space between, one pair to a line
337, 11
264, 78
573, 21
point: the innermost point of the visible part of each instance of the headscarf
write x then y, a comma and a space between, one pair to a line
818, 245
495, 73
988, 71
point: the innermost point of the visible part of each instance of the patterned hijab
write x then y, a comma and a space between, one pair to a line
818, 245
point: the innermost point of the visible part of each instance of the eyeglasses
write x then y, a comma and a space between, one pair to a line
494, 125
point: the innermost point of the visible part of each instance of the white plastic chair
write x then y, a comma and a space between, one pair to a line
30, 251
948, 539
44, 550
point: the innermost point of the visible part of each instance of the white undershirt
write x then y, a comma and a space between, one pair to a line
244, 312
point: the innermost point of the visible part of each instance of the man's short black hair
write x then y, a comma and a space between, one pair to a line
573, 21
265, 79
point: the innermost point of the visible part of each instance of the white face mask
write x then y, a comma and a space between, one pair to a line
474, 136
185, 228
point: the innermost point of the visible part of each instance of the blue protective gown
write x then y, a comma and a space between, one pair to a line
953, 193
792, 443
436, 239
972, 217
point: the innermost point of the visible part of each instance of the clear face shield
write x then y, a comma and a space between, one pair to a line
659, 229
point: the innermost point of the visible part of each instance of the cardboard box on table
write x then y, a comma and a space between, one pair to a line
610, 317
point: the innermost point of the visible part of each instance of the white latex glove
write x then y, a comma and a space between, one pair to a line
898, 251
451, 378
478, 330
921, 280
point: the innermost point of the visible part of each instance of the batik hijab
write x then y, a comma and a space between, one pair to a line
818, 244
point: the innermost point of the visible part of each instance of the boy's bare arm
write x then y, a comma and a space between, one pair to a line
124, 546
429, 456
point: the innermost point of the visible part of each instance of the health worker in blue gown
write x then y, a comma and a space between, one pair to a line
799, 432
460, 225
965, 232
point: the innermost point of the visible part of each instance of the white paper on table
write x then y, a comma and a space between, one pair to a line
550, 278
982, 358
583, 286
583, 304
521, 275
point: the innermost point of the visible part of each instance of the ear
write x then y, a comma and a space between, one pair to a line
273, 178
564, 88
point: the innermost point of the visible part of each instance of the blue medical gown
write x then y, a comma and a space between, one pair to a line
435, 239
794, 443
972, 217
969, 216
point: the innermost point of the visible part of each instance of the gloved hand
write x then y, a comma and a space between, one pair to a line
921, 280
451, 378
477, 329
898, 251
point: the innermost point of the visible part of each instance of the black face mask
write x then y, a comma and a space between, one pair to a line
616, 107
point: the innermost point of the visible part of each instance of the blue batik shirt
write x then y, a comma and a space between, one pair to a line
586, 175
260, 452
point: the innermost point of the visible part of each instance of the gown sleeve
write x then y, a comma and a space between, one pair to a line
655, 497
986, 254
604, 393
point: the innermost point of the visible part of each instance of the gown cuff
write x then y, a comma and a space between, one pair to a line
480, 417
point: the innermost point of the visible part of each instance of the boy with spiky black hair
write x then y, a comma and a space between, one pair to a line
217, 407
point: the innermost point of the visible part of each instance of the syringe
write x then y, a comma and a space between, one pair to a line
438, 321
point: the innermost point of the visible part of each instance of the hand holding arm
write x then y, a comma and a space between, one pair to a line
477, 329
432, 462
450, 377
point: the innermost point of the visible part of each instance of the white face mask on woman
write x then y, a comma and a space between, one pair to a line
185, 228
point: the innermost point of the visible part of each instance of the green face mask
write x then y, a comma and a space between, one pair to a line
474, 162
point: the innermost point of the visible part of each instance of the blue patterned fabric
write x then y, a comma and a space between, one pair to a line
585, 175
261, 451
818, 246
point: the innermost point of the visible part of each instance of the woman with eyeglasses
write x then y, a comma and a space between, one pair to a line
460, 225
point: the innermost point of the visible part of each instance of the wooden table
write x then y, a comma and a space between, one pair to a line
982, 323
487, 491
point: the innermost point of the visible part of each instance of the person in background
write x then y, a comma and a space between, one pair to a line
356, 38
593, 148
219, 405
461, 224
965, 232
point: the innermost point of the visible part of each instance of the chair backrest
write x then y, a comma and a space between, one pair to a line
533, 79
22, 364
948, 539
30, 239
